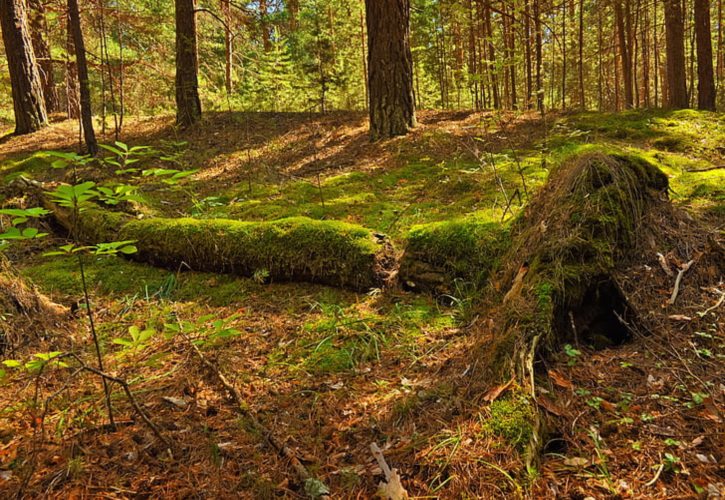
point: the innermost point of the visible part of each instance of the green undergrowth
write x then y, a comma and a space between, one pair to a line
341, 336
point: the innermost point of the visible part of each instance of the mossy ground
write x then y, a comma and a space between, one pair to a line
329, 369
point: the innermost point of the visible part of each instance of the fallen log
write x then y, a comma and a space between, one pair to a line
293, 249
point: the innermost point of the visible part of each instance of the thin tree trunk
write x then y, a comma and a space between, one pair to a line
539, 57
582, 98
188, 105
74, 18
73, 103
705, 76
228, 54
27, 88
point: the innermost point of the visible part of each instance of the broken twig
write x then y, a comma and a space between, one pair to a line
676, 289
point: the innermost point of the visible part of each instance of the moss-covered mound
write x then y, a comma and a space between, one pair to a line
295, 249
438, 254
580, 227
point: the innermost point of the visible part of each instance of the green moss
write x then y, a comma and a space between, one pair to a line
512, 418
61, 276
467, 249
294, 249
28, 167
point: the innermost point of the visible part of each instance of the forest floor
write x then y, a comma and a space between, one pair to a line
331, 371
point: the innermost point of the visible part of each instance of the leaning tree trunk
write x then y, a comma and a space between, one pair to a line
675, 37
28, 101
705, 76
74, 25
390, 63
188, 105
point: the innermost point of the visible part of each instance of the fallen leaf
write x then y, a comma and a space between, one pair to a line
494, 393
560, 380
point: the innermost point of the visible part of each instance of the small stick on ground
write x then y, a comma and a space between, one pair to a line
676, 289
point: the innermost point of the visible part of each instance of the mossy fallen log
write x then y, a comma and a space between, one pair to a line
582, 226
438, 254
293, 249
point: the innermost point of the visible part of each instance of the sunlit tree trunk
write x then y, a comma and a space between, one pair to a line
41, 48
74, 25
675, 37
390, 68
27, 91
705, 76
188, 105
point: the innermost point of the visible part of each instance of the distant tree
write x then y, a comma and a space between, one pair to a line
188, 105
390, 63
74, 25
675, 37
705, 75
28, 101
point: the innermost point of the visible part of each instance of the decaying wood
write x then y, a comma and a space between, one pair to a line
392, 487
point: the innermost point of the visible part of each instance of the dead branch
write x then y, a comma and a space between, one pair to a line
665, 265
134, 402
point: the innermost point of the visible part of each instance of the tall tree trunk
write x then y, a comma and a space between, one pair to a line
188, 105
705, 76
74, 20
582, 99
539, 56
293, 8
228, 49
27, 90
41, 48
527, 52
73, 103
264, 25
675, 37
491, 55
625, 53
390, 63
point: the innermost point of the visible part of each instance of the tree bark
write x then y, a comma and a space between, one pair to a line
705, 75
626, 55
188, 105
27, 91
390, 68
41, 48
74, 20
675, 38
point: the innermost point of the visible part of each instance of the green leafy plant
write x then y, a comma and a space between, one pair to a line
137, 339
572, 354
124, 156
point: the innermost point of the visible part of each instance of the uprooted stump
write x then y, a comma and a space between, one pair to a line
293, 249
581, 227
441, 253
